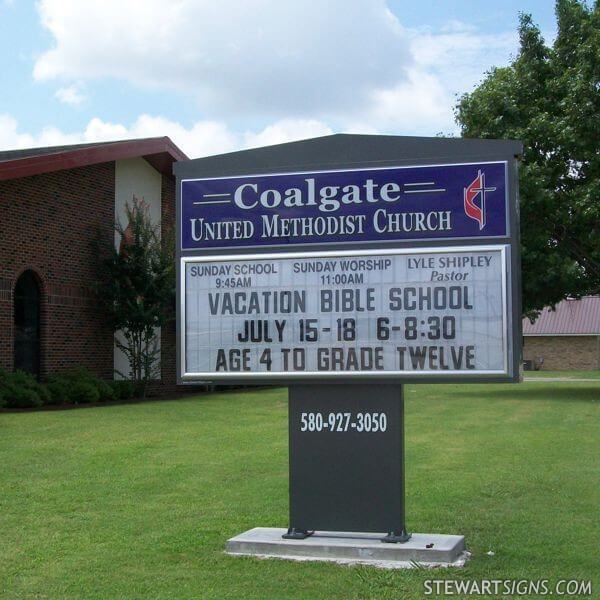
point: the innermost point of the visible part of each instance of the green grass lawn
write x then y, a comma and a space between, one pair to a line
136, 501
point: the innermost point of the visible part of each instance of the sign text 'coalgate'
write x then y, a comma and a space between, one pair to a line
439, 202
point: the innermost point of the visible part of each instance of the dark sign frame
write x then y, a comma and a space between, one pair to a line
353, 152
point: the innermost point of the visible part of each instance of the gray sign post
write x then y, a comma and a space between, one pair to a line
344, 267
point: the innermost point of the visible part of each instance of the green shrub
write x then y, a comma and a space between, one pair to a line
81, 374
77, 386
22, 390
124, 389
18, 397
60, 389
28, 381
105, 390
83, 392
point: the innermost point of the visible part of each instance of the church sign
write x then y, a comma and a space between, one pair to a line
433, 202
412, 278
344, 267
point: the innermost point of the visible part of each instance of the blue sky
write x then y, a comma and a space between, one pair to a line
220, 76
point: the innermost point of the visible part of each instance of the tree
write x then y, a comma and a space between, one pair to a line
549, 97
137, 290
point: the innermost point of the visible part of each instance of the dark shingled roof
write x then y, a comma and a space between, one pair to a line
349, 148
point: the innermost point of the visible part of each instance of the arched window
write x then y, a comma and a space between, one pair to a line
27, 323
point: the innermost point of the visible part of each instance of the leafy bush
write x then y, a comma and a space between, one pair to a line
28, 381
82, 375
124, 389
76, 386
83, 392
79, 386
105, 390
22, 390
60, 389
18, 397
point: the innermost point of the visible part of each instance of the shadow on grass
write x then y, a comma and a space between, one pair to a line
557, 394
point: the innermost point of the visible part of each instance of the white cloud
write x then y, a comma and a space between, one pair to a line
286, 130
351, 64
446, 64
420, 104
265, 57
203, 138
11, 137
460, 55
71, 95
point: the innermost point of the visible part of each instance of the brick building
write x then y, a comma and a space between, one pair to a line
54, 203
565, 339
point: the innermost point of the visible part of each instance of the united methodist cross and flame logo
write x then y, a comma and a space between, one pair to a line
471, 192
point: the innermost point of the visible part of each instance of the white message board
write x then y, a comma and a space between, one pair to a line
373, 313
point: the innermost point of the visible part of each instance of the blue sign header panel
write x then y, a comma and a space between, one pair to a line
461, 201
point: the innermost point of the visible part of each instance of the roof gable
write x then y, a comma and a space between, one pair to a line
362, 150
160, 152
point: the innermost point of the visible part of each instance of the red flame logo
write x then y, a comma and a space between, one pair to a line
474, 189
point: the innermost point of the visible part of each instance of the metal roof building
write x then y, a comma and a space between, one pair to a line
571, 317
567, 338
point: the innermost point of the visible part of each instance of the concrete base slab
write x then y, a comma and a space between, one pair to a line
423, 549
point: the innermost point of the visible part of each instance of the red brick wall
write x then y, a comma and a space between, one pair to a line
168, 334
48, 223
